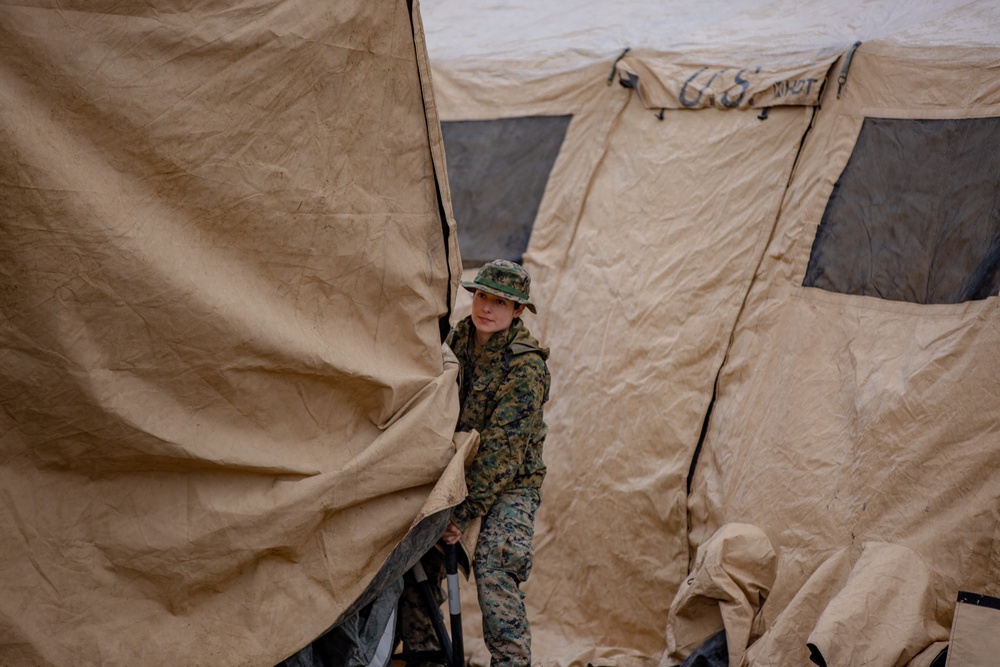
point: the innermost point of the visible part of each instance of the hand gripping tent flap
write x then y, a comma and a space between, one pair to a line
763, 242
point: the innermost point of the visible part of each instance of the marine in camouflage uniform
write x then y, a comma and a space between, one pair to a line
503, 386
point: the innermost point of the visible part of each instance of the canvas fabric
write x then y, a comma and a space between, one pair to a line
880, 402
225, 255
729, 582
668, 255
227, 249
634, 414
975, 634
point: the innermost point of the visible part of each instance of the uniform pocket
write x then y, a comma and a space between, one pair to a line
482, 383
518, 556
505, 543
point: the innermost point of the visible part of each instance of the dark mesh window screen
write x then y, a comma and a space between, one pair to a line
497, 170
915, 215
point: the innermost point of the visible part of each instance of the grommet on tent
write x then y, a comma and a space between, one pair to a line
611, 77
842, 79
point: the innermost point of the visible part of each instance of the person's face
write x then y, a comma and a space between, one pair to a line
492, 313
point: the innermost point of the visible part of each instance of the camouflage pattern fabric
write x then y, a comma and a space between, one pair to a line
505, 279
502, 562
502, 393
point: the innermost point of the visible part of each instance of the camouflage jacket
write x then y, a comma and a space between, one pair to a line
502, 394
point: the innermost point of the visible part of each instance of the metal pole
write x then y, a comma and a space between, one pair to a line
432, 609
454, 605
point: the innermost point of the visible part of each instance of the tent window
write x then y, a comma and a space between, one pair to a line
497, 171
915, 216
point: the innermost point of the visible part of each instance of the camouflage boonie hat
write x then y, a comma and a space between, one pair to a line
505, 279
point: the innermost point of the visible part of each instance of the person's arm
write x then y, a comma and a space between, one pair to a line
518, 415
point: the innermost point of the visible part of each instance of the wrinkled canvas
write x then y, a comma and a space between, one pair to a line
730, 579
668, 256
865, 420
224, 255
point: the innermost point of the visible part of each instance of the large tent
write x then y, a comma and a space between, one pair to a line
764, 237
226, 261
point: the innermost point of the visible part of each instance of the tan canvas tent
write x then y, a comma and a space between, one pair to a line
765, 252
226, 255
764, 260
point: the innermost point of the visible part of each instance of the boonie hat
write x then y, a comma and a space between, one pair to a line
505, 279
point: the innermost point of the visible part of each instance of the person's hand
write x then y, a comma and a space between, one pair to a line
452, 534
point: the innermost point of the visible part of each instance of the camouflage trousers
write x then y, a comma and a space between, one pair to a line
501, 563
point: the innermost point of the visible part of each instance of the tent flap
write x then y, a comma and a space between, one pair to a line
224, 260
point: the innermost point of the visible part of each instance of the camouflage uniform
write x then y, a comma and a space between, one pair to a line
502, 393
